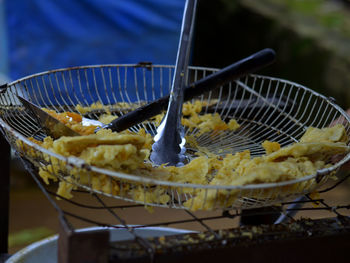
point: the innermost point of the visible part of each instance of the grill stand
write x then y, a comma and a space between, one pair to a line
303, 241
273, 244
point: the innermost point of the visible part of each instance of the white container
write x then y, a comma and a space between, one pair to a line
45, 251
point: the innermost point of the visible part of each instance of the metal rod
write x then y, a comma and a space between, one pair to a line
291, 210
169, 141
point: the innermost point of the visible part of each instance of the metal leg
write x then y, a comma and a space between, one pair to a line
5, 156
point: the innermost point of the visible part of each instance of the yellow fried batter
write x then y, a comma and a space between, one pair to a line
67, 146
330, 134
270, 147
278, 165
128, 152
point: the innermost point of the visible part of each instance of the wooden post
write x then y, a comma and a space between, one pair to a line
82, 247
5, 158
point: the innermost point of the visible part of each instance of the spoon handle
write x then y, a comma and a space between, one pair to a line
234, 71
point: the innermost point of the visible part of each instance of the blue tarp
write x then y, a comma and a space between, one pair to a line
49, 34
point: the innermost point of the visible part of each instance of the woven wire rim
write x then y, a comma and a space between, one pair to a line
80, 163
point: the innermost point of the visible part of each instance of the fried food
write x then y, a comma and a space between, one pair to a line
278, 165
72, 120
128, 152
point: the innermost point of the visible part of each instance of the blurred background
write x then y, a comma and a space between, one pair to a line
311, 39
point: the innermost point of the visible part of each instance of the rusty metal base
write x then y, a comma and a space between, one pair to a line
325, 240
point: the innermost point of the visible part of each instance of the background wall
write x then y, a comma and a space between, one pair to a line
311, 39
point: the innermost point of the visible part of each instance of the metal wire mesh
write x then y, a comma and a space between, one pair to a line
205, 223
266, 108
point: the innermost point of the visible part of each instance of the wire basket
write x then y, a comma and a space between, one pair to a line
266, 108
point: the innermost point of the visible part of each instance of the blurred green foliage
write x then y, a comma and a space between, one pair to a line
311, 39
330, 14
28, 236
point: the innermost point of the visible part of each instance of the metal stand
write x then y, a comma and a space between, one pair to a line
249, 243
75, 246
5, 156
324, 240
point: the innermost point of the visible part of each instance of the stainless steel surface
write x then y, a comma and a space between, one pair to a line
88, 122
169, 142
52, 126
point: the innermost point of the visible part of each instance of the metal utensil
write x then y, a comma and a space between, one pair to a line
169, 140
269, 118
54, 127
236, 70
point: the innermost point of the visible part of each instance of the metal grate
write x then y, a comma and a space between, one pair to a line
211, 232
266, 108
